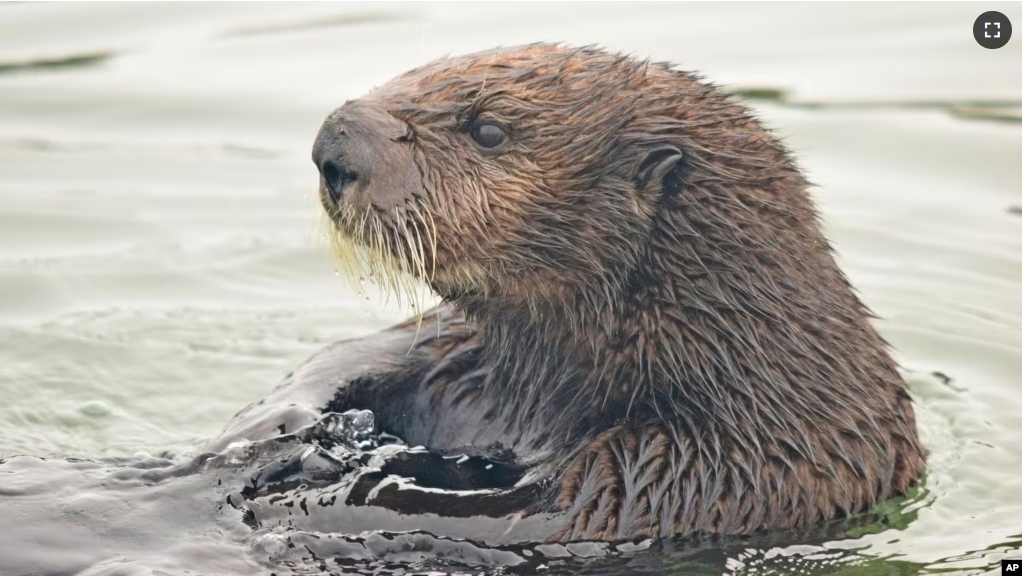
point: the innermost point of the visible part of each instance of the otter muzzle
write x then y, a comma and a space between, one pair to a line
364, 158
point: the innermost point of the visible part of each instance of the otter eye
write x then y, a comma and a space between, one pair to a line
489, 135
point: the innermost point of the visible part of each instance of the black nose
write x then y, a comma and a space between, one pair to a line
332, 159
335, 179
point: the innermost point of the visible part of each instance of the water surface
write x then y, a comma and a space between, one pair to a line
159, 263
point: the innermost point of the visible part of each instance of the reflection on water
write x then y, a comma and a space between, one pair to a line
160, 267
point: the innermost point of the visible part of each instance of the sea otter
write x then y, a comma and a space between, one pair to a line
640, 310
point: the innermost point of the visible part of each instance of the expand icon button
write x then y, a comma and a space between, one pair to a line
992, 30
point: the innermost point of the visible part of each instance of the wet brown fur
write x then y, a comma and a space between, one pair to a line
683, 355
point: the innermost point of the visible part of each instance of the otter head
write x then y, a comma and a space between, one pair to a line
510, 178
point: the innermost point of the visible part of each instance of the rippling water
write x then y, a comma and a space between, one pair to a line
159, 262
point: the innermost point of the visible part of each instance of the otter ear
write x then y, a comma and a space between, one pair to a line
657, 164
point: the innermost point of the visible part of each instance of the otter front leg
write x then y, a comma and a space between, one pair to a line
376, 373
304, 395
334, 377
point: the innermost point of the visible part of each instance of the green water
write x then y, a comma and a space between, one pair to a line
159, 261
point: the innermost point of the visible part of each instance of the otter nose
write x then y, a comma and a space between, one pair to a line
332, 162
361, 153
336, 178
